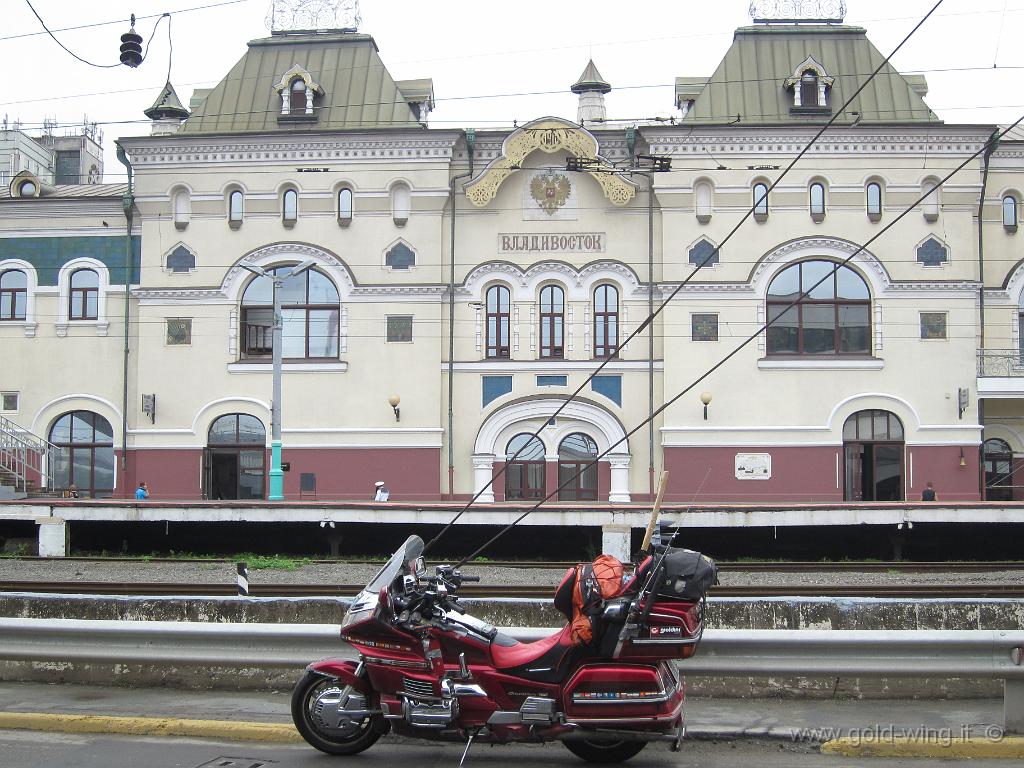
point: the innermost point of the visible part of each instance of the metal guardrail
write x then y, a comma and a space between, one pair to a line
1001, 362
993, 654
25, 455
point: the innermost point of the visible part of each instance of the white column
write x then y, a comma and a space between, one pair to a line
619, 491
483, 471
53, 537
286, 101
615, 540
309, 100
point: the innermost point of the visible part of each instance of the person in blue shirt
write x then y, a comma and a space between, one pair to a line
142, 492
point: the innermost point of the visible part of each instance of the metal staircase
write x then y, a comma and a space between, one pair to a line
26, 460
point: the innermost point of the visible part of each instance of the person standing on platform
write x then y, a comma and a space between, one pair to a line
381, 493
928, 494
142, 492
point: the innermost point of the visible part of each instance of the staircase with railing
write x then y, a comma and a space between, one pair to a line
26, 460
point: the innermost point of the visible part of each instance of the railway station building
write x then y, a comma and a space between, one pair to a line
460, 285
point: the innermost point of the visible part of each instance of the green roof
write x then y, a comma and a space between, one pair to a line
356, 91
590, 80
751, 79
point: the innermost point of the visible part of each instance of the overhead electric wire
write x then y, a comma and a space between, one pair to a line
763, 327
650, 318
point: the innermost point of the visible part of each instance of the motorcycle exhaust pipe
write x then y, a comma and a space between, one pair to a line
589, 734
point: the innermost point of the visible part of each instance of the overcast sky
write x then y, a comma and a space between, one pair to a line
491, 62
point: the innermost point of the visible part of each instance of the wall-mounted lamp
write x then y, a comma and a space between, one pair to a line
963, 463
393, 401
705, 398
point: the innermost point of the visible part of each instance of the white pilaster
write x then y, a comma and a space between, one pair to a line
53, 537
615, 541
483, 471
619, 491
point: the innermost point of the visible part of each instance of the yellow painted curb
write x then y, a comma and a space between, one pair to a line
1009, 747
151, 726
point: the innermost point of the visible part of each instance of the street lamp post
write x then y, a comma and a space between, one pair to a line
276, 473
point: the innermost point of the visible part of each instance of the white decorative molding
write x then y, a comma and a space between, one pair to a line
334, 366
343, 330
478, 329
232, 334
237, 277
483, 476
569, 330
878, 328
525, 282
820, 364
515, 328
551, 366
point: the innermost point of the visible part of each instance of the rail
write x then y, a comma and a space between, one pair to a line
25, 456
1001, 363
992, 654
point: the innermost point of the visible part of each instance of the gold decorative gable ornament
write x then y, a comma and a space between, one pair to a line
549, 135
550, 191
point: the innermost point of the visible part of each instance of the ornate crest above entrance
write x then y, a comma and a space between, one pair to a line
550, 135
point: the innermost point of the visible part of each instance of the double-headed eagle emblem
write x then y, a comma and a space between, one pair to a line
550, 191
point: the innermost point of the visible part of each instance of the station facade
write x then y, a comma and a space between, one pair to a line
462, 284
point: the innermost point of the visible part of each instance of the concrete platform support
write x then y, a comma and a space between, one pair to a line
615, 541
1013, 705
53, 537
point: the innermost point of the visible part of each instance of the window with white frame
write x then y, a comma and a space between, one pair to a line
401, 203
236, 208
83, 295
816, 193
290, 207
346, 206
760, 193
13, 294
873, 200
9, 401
1010, 213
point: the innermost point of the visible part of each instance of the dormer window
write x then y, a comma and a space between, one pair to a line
298, 92
809, 89
298, 97
810, 84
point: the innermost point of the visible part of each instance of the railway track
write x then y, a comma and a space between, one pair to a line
919, 591
783, 566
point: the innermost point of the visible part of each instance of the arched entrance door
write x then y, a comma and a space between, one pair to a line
85, 454
234, 459
577, 480
873, 447
998, 470
524, 477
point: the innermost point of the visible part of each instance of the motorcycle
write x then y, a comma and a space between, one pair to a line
429, 670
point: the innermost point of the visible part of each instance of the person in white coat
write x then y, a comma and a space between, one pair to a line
381, 493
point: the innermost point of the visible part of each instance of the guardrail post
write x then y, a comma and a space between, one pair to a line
243, 580
1013, 706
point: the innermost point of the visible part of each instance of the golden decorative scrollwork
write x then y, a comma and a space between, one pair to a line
548, 135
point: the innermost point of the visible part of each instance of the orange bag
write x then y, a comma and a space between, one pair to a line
595, 583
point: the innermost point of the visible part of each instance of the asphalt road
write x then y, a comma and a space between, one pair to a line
28, 749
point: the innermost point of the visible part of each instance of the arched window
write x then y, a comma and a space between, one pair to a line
1010, 213
498, 321
181, 205
345, 206
235, 457
13, 294
84, 295
833, 319
606, 321
27, 189
817, 200
552, 321
524, 475
873, 446
809, 89
930, 205
703, 195
998, 458
297, 89
309, 315
873, 200
760, 201
236, 208
85, 453
577, 480
290, 206
401, 204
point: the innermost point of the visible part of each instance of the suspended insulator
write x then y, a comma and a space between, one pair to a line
131, 47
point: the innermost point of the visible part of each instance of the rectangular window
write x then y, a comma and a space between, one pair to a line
9, 402
399, 328
179, 331
609, 386
552, 381
704, 327
933, 325
494, 387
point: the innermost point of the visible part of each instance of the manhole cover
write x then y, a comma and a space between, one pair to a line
236, 762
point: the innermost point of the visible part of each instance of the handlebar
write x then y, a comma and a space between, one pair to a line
471, 578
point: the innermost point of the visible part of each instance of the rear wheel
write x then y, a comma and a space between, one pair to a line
314, 698
601, 751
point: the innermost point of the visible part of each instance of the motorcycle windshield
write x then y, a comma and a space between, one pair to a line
410, 550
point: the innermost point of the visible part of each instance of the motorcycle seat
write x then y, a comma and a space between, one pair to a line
523, 654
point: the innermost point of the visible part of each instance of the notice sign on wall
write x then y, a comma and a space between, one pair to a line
753, 466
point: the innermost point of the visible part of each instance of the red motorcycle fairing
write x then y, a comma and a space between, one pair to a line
342, 669
621, 693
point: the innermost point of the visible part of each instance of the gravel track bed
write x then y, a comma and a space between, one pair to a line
348, 573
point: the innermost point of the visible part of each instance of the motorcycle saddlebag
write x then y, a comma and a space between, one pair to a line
686, 575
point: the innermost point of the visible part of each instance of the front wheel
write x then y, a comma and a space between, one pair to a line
602, 751
316, 701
